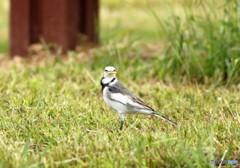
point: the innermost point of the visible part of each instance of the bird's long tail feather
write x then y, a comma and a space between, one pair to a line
165, 118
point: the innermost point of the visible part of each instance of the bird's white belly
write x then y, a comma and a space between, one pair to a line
115, 105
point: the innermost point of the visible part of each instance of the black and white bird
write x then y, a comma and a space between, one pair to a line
122, 100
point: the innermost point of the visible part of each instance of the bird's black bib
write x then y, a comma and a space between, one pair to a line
106, 84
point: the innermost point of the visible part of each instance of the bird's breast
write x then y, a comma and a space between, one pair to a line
115, 105
105, 95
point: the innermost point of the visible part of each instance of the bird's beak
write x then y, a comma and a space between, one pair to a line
113, 72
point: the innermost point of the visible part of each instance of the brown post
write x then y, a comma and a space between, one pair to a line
56, 21
60, 22
89, 23
35, 20
19, 29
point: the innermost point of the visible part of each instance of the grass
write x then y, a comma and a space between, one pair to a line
180, 58
207, 45
53, 115
3, 26
197, 41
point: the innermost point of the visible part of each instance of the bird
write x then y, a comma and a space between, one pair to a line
120, 99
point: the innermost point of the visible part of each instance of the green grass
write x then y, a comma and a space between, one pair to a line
52, 114
206, 45
199, 41
181, 58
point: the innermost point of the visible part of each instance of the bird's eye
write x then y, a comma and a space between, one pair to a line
105, 70
114, 70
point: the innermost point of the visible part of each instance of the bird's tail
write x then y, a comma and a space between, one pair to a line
166, 119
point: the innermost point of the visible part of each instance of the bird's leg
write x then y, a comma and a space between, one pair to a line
121, 126
122, 120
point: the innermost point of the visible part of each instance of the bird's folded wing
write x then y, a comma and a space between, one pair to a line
141, 103
128, 100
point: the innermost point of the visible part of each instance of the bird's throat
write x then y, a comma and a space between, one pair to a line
105, 82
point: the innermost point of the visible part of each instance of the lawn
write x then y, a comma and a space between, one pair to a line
53, 115
184, 63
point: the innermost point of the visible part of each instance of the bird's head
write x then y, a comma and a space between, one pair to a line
109, 72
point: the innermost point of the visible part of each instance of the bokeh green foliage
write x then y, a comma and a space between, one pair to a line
205, 47
201, 42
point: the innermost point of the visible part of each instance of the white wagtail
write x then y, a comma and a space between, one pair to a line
122, 100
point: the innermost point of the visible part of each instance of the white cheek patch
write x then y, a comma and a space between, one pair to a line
106, 80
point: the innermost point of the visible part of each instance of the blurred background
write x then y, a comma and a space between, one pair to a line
4, 8
196, 40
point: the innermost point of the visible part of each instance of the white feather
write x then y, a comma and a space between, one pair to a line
123, 103
120, 107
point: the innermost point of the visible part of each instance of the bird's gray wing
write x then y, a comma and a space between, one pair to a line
134, 102
119, 88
